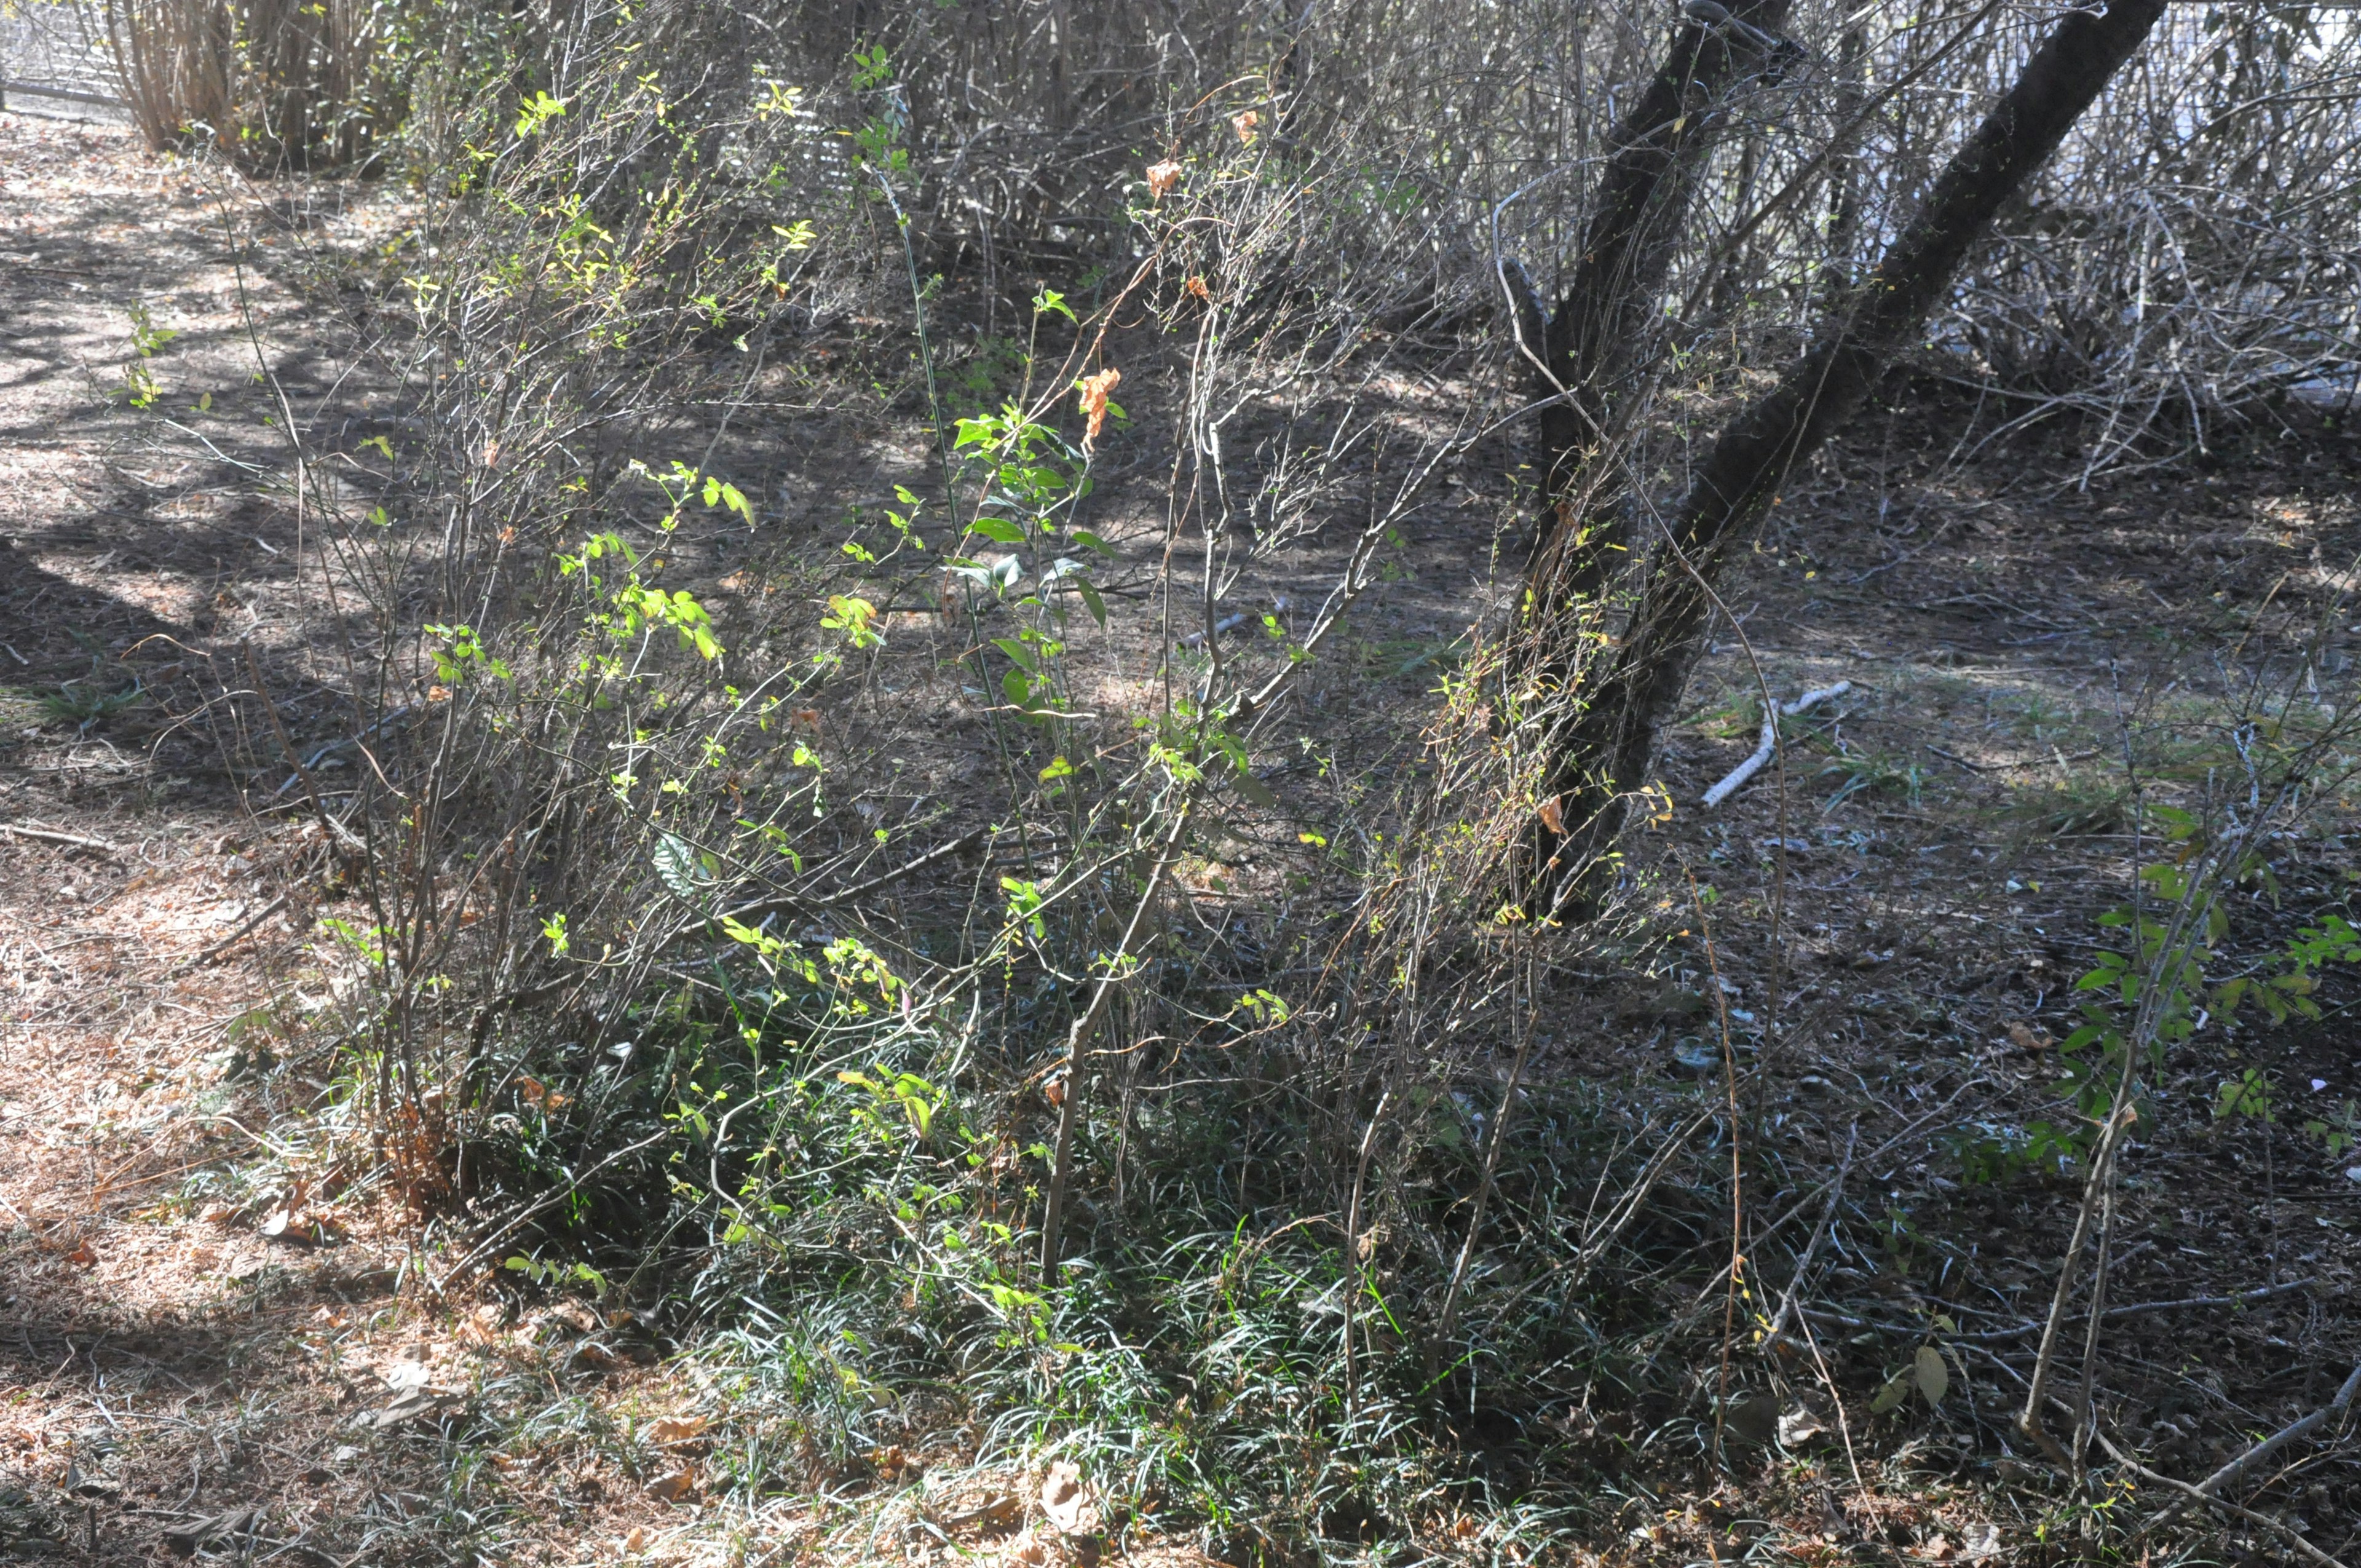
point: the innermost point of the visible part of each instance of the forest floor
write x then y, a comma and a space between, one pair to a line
198, 1355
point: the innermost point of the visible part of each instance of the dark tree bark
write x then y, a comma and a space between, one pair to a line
1594, 343
1844, 173
1612, 742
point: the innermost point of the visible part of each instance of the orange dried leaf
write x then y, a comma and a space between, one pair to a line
676, 1429
1094, 391
1161, 178
1553, 816
1196, 285
1245, 126
676, 1487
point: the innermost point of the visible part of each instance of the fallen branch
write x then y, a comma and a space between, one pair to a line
48, 835
2210, 1488
1227, 623
2190, 1494
1736, 778
1230, 622
2018, 1331
2055, 755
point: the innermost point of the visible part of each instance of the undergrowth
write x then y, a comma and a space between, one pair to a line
935, 1130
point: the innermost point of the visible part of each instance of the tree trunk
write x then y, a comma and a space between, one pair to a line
1844, 173
1610, 741
1594, 343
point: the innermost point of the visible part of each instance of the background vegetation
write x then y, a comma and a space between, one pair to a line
954, 970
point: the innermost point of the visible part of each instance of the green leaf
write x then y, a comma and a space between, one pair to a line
1928, 1372
1018, 651
1896, 1389
1089, 541
998, 529
1253, 789
675, 863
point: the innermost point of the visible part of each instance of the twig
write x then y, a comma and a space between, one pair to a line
2211, 1486
226, 943
1836, 1402
1737, 1144
1061, 1166
2006, 767
1450, 1314
2240, 1299
49, 836
1736, 778
747, 914
2190, 1494
2018, 1331
1819, 1234
1356, 1273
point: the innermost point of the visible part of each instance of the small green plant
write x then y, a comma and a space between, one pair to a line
2247, 1095
84, 701
2338, 1132
548, 1274
140, 384
1867, 773
2154, 994
536, 113
1030, 481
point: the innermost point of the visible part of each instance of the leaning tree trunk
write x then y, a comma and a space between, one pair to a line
1593, 347
1610, 741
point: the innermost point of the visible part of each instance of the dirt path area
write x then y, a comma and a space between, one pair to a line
157, 1387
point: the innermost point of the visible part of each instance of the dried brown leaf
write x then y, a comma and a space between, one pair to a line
667, 1430
1064, 1498
1094, 391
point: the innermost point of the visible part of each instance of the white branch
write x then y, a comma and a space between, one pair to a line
1736, 778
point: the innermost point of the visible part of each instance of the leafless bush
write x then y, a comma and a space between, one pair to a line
2156, 272
265, 84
